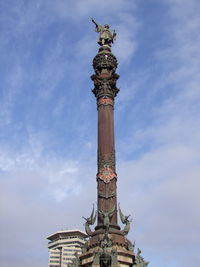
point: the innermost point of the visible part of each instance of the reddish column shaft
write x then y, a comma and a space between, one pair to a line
106, 158
105, 90
105, 130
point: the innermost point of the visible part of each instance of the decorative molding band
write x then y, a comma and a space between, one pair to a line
107, 196
105, 101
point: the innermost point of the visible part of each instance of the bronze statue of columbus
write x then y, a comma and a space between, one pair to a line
106, 37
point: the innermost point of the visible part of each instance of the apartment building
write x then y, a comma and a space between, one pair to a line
63, 245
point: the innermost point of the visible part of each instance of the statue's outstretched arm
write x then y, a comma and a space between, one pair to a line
94, 22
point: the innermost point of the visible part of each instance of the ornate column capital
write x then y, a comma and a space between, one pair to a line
105, 78
105, 61
105, 85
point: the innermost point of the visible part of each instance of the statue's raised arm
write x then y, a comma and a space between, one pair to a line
94, 22
98, 28
106, 37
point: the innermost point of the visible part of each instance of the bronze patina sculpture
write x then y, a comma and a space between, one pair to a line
106, 37
139, 260
106, 216
125, 220
90, 221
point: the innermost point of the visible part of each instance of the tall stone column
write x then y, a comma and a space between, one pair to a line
105, 90
107, 245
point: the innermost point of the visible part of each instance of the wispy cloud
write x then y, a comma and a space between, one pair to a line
39, 195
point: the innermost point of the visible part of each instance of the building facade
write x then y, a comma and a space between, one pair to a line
64, 246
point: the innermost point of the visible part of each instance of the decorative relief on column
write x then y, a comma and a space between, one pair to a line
105, 85
107, 195
106, 217
105, 62
106, 160
106, 174
105, 101
106, 190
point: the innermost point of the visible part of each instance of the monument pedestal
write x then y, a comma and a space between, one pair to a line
117, 256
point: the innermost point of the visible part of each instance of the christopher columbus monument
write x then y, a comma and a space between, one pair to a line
107, 245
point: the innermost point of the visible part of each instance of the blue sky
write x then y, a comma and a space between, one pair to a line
48, 124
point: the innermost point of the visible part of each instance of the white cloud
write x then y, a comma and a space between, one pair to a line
40, 195
160, 190
126, 44
78, 9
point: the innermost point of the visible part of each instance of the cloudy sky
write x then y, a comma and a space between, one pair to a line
48, 124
